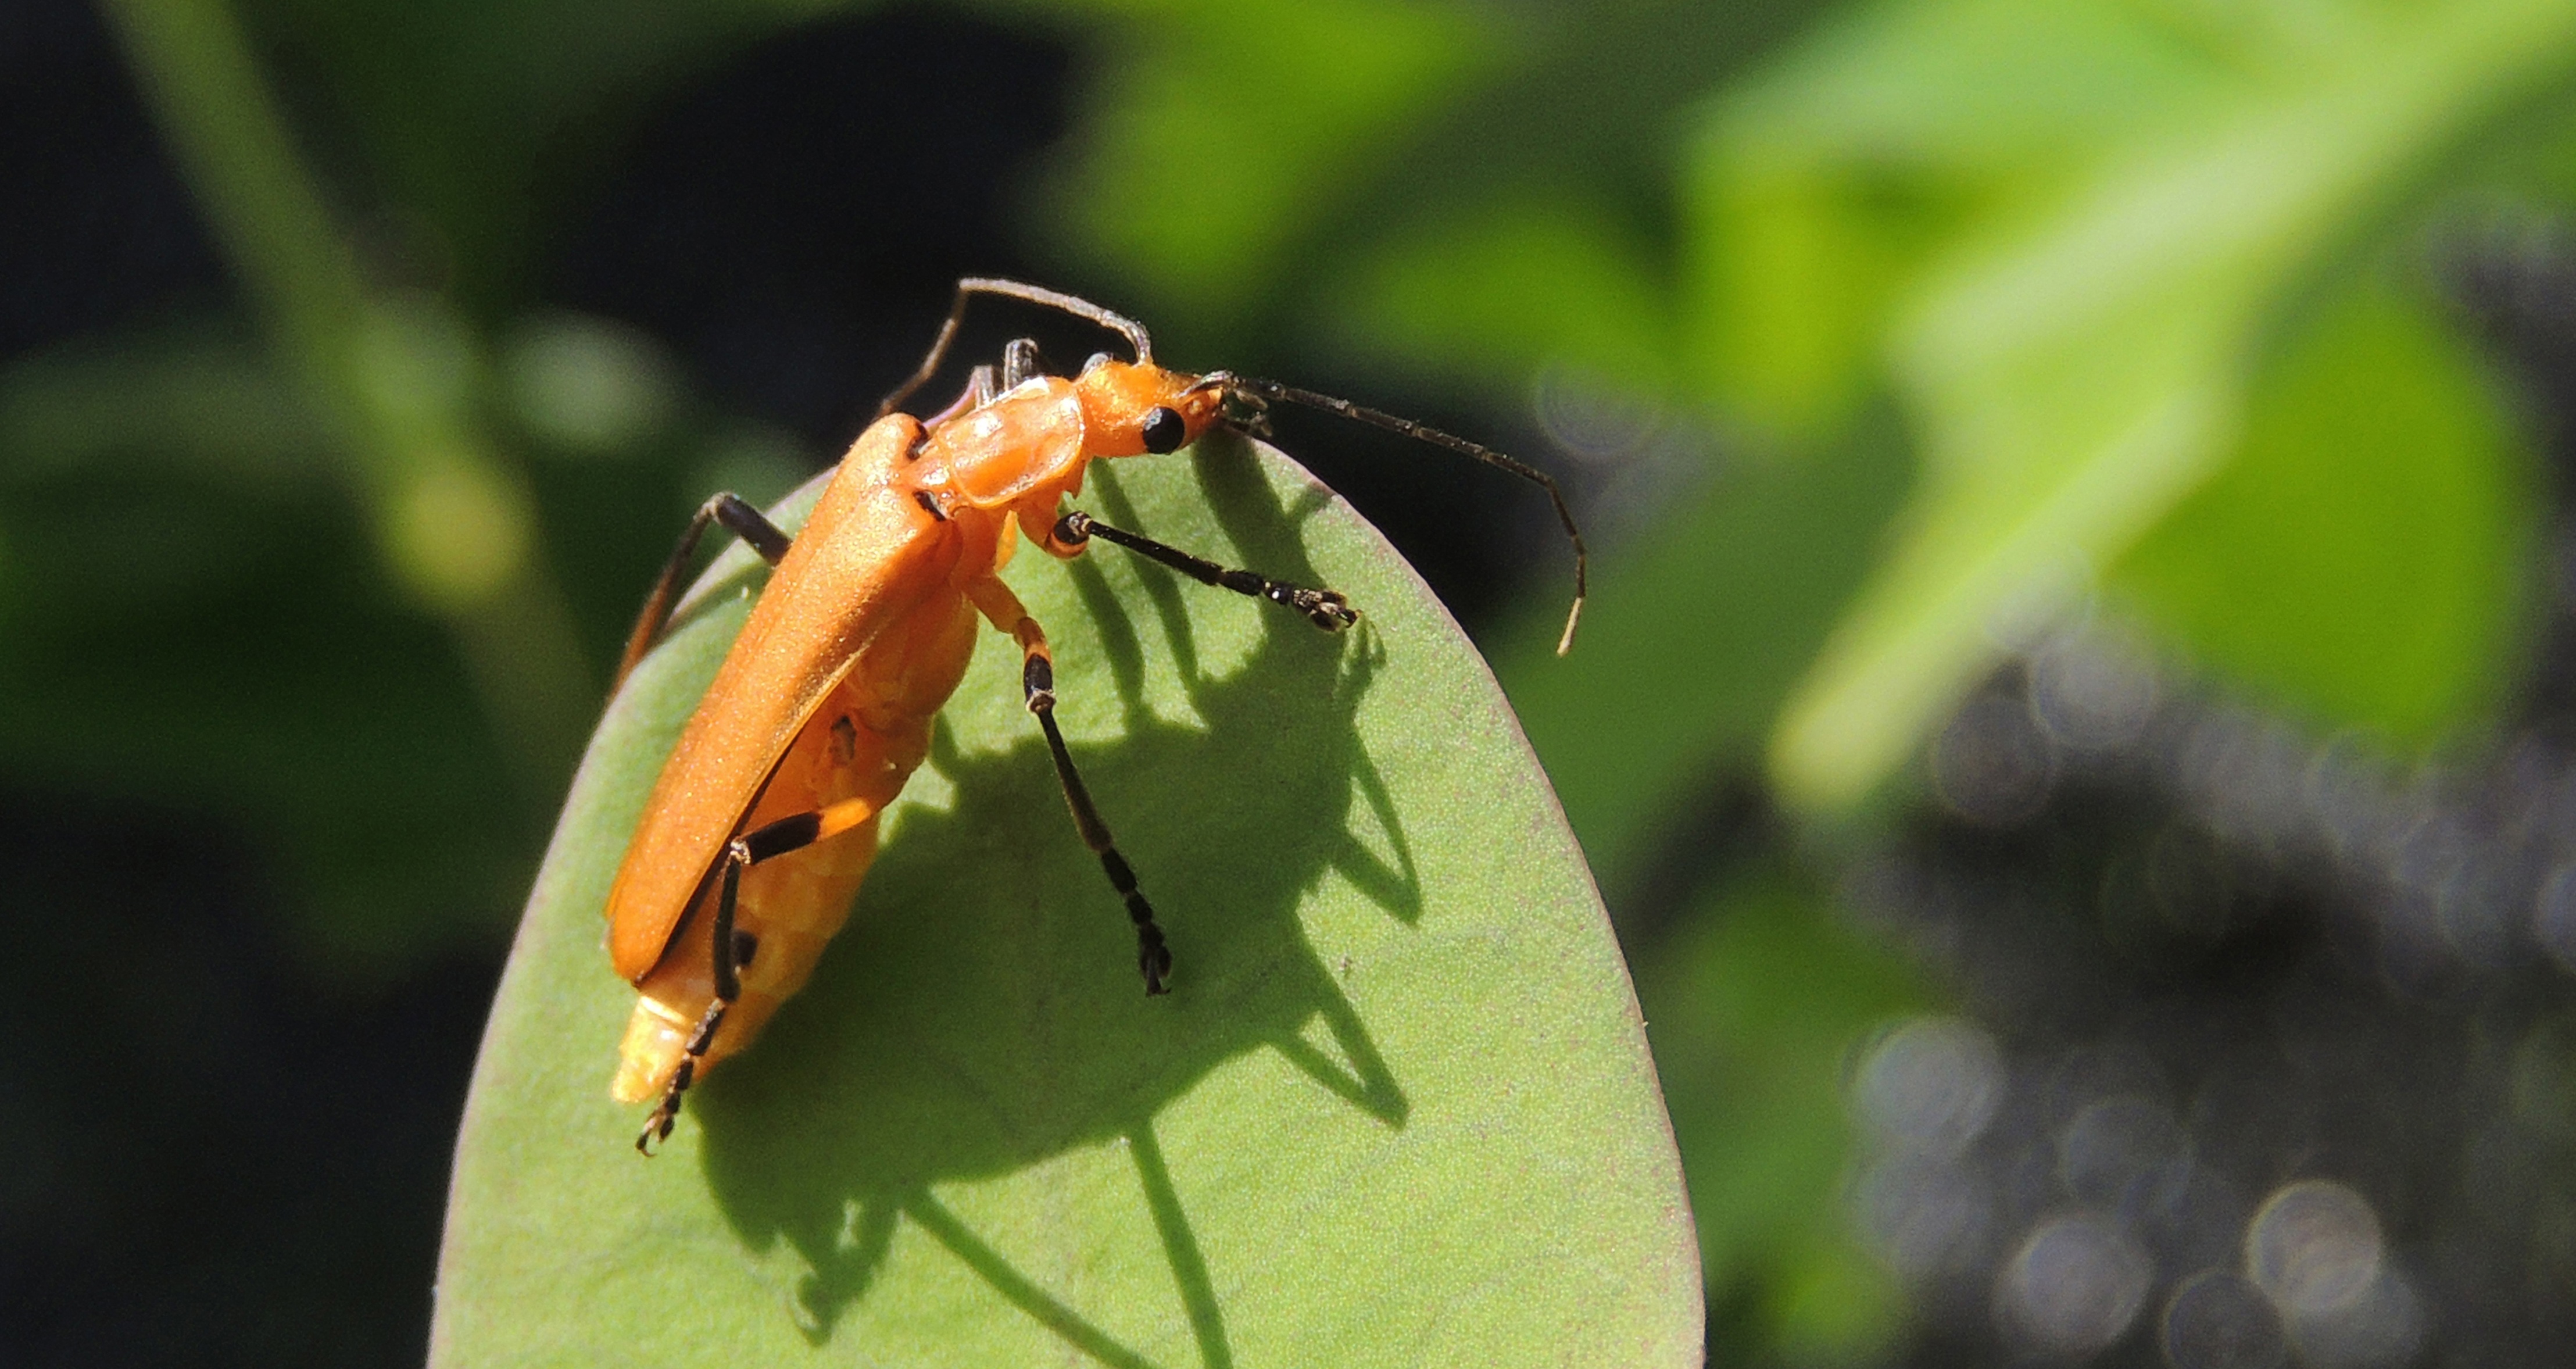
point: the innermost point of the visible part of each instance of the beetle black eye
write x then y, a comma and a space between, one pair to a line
1164, 431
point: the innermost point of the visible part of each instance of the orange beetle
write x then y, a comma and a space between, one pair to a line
764, 820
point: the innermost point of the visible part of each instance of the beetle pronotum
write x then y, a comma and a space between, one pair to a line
763, 823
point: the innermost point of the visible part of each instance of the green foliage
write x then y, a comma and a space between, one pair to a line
1397, 1104
1226, 119
1536, 278
164, 639
2375, 434
2077, 359
1696, 630
2061, 237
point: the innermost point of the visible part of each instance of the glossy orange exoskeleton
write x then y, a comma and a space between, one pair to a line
763, 822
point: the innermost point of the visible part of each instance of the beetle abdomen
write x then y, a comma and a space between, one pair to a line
862, 744
787, 909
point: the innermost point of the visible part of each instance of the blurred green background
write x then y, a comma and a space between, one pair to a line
2077, 641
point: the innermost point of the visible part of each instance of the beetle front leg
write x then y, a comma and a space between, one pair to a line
1325, 608
1037, 690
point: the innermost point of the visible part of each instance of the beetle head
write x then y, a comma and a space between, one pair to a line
1133, 408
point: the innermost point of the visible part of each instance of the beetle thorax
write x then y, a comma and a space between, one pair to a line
999, 453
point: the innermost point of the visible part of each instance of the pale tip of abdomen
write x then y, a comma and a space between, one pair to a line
656, 1038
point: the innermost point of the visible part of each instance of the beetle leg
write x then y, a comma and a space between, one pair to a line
1037, 689
980, 388
731, 950
739, 518
1325, 608
1019, 361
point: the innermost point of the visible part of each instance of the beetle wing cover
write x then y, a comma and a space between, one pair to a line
860, 564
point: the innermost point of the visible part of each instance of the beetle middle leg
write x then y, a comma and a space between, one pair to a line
1003, 609
732, 949
1325, 608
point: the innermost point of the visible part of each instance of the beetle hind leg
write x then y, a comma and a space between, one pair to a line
737, 517
733, 948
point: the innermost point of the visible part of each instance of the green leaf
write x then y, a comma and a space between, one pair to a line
1817, 192
2361, 557
1398, 1103
2078, 364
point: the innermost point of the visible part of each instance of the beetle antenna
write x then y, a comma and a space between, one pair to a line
971, 286
1264, 391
